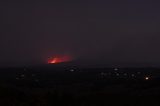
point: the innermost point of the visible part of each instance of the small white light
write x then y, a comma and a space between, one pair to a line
103, 74
116, 69
146, 78
72, 70
138, 72
132, 75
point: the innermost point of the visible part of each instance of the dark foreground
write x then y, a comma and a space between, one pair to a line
79, 87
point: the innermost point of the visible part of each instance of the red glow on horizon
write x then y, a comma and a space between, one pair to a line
62, 59
53, 61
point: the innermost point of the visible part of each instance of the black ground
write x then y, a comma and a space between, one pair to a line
70, 86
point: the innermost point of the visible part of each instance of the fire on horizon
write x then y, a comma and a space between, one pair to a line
97, 33
61, 59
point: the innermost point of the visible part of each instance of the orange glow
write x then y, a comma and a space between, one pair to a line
59, 60
53, 61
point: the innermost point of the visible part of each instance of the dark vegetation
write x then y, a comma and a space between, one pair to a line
48, 86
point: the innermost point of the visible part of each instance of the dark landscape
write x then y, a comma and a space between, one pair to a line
80, 53
73, 86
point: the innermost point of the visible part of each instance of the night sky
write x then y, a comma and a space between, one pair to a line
95, 31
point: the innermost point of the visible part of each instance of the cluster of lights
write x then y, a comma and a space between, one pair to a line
125, 74
23, 76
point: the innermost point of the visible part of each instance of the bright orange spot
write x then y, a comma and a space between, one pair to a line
59, 59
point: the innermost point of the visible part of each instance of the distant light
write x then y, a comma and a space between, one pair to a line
132, 75
72, 70
125, 74
138, 72
117, 74
146, 78
22, 75
103, 74
116, 69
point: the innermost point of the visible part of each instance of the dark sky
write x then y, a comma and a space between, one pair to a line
95, 31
